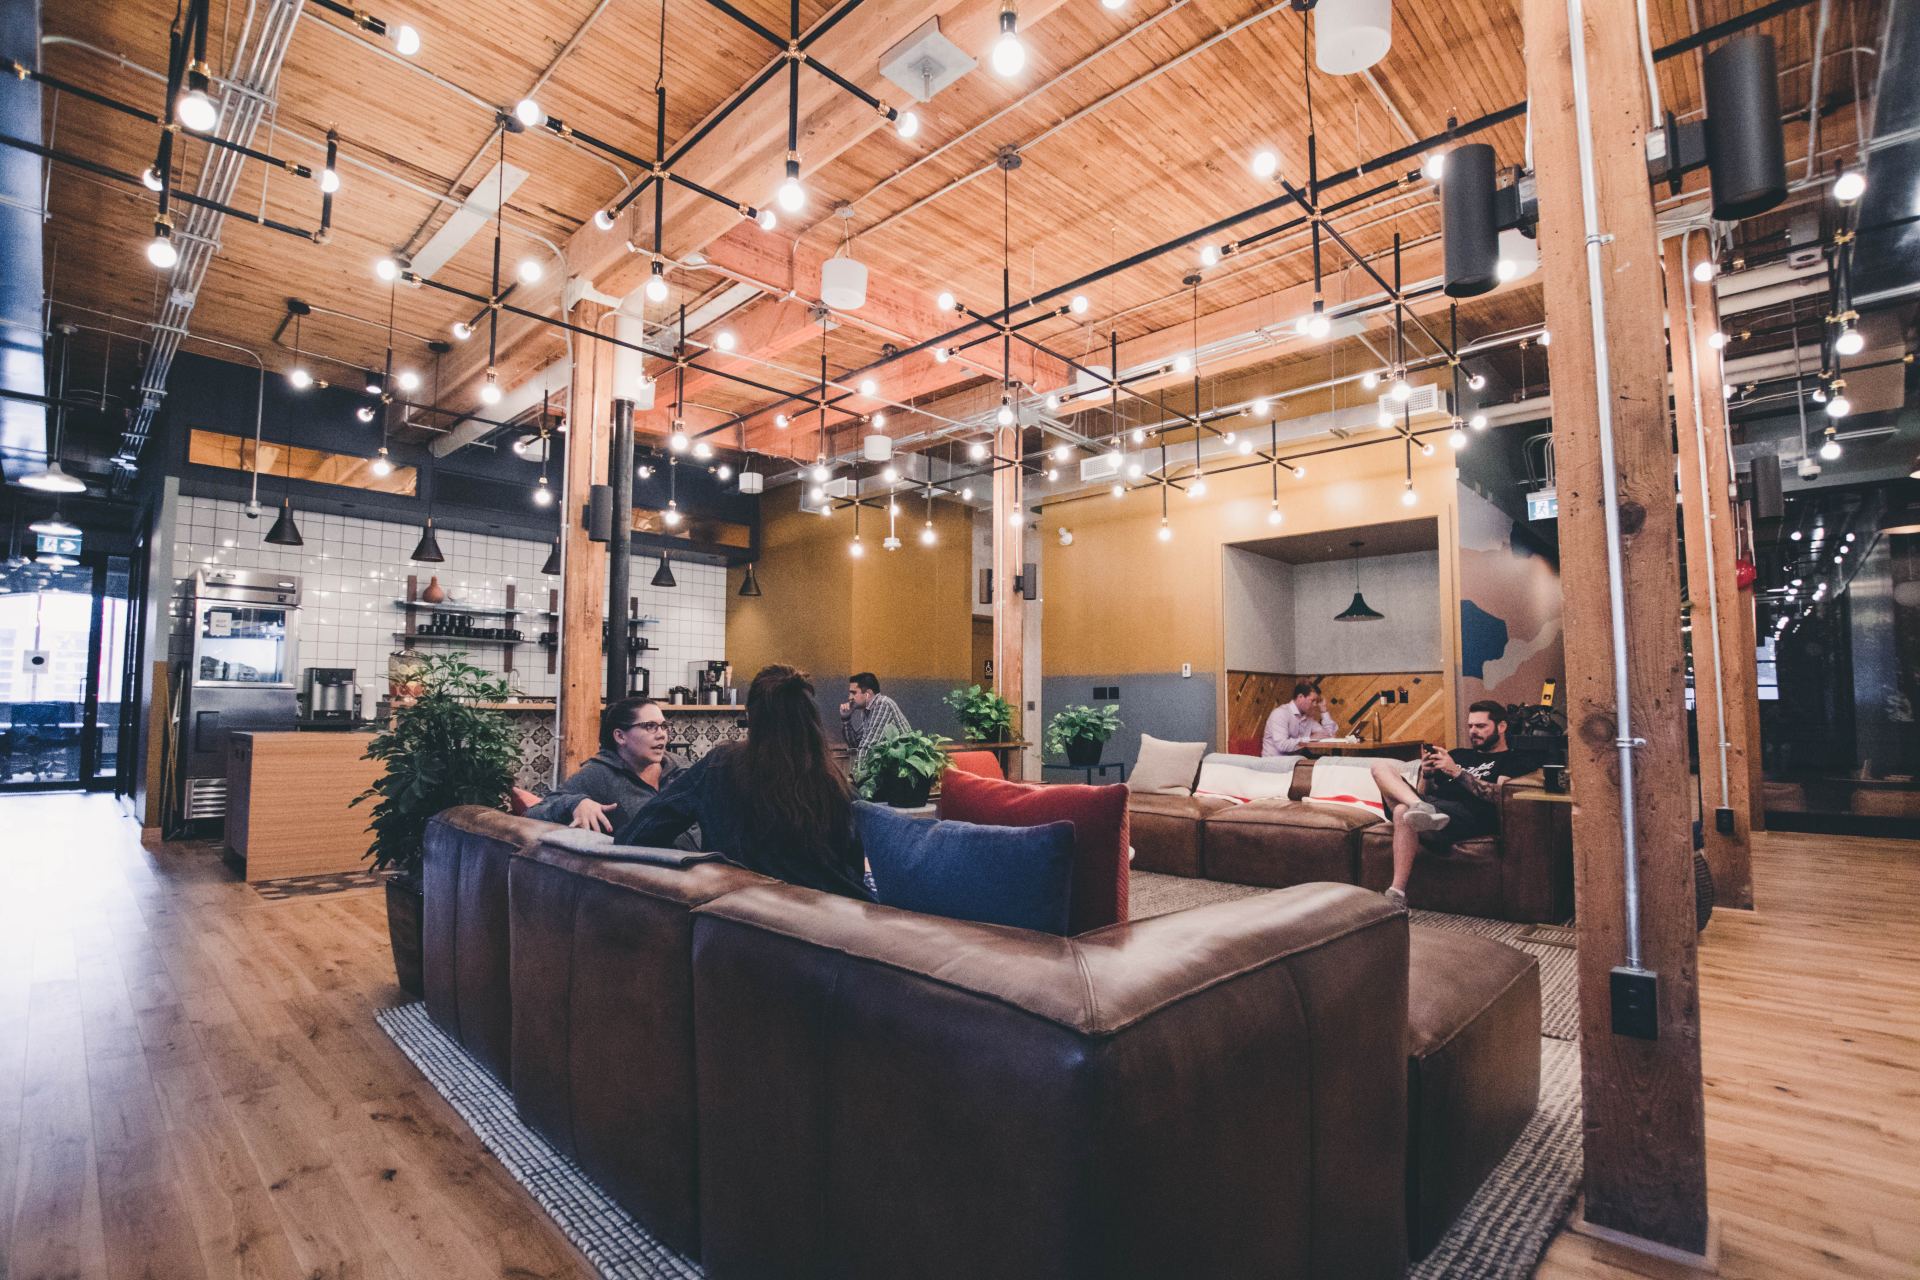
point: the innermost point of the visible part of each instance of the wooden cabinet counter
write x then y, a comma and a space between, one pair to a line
287, 796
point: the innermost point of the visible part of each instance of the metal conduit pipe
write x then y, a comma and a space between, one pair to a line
1706, 525
1624, 741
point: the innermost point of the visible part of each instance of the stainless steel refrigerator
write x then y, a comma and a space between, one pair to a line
240, 676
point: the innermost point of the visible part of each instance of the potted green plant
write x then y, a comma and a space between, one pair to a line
900, 769
985, 716
441, 750
1079, 733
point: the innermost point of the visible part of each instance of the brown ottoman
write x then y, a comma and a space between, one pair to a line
1466, 880
1269, 842
1165, 830
1473, 1070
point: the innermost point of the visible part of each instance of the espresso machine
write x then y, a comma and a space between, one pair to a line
329, 698
712, 682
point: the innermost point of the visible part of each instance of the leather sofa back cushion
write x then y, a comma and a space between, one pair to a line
1168, 767
1101, 833
1016, 876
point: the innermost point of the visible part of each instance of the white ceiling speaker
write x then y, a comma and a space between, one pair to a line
877, 447
843, 284
1351, 35
925, 62
752, 482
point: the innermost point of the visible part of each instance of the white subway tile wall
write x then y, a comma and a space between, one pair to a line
352, 570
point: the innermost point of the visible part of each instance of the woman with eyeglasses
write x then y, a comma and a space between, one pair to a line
778, 803
630, 770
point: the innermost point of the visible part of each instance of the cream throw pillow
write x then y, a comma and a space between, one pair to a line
1166, 768
1241, 783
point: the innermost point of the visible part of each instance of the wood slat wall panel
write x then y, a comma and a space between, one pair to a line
1253, 695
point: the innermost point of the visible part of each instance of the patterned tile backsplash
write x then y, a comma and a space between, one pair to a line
352, 570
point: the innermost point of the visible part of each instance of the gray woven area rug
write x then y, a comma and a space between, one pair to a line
1500, 1236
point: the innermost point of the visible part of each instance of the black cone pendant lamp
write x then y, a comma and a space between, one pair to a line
284, 532
750, 585
663, 576
551, 568
1359, 610
427, 550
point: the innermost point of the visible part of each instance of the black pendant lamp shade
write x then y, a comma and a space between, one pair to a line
663, 576
284, 532
1468, 222
427, 550
750, 585
1746, 152
551, 568
1359, 610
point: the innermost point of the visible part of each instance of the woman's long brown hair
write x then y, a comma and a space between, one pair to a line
796, 791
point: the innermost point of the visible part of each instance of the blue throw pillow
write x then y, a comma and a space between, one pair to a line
1019, 876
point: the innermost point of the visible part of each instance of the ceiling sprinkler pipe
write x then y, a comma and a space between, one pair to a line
1624, 740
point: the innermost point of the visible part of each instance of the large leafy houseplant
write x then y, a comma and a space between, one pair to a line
1078, 733
900, 768
985, 716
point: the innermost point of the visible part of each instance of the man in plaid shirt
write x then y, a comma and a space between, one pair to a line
869, 715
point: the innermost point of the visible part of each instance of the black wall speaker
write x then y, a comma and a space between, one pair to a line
600, 513
1746, 154
1767, 502
1468, 221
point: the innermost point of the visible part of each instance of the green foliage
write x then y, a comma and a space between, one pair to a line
1081, 724
985, 716
439, 752
910, 758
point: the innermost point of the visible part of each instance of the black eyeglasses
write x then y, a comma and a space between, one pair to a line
650, 726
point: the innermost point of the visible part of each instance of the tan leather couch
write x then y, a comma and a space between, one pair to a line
1522, 873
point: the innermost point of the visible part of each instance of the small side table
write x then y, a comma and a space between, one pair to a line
1090, 769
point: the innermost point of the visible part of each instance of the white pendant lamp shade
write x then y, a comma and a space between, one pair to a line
1351, 35
877, 447
843, 284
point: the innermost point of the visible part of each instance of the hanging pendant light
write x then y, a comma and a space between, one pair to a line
284, 532
750, 585
551, 568
1359, 610
427, 550
663, 576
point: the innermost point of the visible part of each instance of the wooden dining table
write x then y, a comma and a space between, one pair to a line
1391, 749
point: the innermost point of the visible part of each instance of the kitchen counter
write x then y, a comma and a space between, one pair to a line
669, 707
287, 798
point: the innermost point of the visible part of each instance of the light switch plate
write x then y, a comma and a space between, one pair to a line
1186, 671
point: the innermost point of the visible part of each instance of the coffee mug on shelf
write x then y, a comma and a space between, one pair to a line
1555, 778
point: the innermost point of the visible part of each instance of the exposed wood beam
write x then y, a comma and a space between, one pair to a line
1645, 1134
583, 579
1722, 680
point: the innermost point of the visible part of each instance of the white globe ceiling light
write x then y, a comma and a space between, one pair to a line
529, 113
529, 271
1718, 340
657, 284
408, 380
330, 181
300, 378
382, 464
1009, 56
1079, 304
678, 441
976, 452
945, 301
1839, 407
1004, 416
1264, 164
1704, 270
1456, 438
768, 220
462, 330
868, 387
1370, 379
1434, 166
1113, 4
1478, 422
791, 196
907, 124
1351, 35
386, 269
160, 250
196, 111
1830, 450
1849, 186
702, 450
1401, 390
1209, 256
406, 41
1182, 363
1476, 381
1849, 342
490, 389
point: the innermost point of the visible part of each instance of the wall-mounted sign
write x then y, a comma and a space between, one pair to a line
1543, 504
56, 544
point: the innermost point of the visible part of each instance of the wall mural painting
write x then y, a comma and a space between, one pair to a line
1510, 640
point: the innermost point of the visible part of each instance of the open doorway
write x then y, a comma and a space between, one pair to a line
63, 632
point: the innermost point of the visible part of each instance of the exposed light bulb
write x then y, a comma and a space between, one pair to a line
1053, 401
940, 355
150, 178
1456, 439
329, 181
889, 475
364, 413
976, 452
1182, 363
1849, 186
1017, 519
529, 271
702, 450
1478, 422
855, 549
490, 390
1062, 452
1407, 497
1135, 471
1819, 394
299, 377
1119, 491
373, 384
724, 340
1053, 475
768, 220
1505, 269
1426, 448
723, 472
1476, 382
1079, 304
1703, 270
382, 464
1198, 489
907, 124
462, 330
1265, 164
671, 516
966, 493
1717, 340
406, 41
927, 536
1299, 472
1245, 447
1005, 416
945, 301
1139, 435
868, 386
197, 112
542, 494
386, 269
644, 472
1385, 418
1113, 4
822, 473
1401, 390
1273, 513
1839, 407
1166, 532
603, 219
678, 441
1209, 256
1009, 56
1434, 166
791, 195
1369, 379
816, 494
1318, 326
529, 113
657, 287
780, 421
879, 419
1546, 338
408, 380
1850, 342
160, 251
1260, 408
1830, 450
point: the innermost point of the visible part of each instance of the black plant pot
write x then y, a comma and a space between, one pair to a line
403, 930
903, 792
1084, 751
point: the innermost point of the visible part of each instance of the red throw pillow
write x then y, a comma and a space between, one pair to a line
1099, 818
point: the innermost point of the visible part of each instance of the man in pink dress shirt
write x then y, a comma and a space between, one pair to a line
1297, 722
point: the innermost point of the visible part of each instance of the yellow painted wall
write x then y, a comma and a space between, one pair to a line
802, 616
1120, 601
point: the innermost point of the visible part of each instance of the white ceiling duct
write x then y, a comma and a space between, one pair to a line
1351, 35
483, 201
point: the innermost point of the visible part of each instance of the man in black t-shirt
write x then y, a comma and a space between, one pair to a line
1455, 801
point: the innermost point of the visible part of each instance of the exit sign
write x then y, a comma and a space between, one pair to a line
54, 544
1543, 505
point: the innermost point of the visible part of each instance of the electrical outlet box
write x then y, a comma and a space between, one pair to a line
1636, 1003
1723, 821
1186, 671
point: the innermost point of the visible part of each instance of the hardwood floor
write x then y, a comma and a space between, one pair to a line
191, 1082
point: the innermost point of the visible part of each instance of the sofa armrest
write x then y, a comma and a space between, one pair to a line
1216, 1091
1536, 852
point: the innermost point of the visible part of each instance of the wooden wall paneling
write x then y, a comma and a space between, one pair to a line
1253, 695
1644, 1132
583, 577
1722, 680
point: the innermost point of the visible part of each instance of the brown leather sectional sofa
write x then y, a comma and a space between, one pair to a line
786, 1083
1523, 873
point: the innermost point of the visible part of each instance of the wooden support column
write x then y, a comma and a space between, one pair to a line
583, 578
1722, 681
1009, 606
1645, 1140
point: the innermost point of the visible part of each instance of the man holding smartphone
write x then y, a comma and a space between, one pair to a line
1458, 788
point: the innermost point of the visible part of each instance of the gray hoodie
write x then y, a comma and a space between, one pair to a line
607, 780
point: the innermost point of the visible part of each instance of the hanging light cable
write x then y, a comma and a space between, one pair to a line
284, 533
1199, 487
490, 389
298, 375
543, 492
427, 550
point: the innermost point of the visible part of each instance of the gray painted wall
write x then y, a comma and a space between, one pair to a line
1405, 587
1256, 595
1162, 704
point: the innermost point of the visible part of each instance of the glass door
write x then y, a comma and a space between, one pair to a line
47, 621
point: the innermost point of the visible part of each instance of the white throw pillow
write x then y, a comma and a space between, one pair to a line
1240, 783
1166, 768
1266, 764
1350, 783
